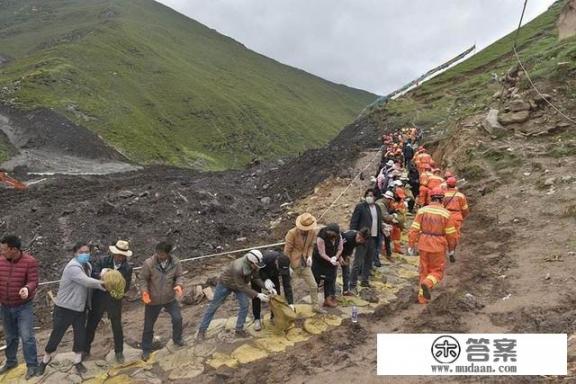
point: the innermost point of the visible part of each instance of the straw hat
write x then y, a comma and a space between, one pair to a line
122, 247
306, 222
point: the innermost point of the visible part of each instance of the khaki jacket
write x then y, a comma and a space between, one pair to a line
160, 283
298, 247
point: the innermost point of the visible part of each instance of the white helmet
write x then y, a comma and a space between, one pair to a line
398, 183
255, 257
389, 195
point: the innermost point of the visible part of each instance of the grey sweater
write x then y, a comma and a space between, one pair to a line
75, 287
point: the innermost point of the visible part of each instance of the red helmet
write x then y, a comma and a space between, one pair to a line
437, 192
451, 182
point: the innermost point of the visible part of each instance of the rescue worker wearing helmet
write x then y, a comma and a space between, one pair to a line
434, 233
455, 202
236, 278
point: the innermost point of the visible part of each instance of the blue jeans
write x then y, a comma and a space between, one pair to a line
220, 294
19, 323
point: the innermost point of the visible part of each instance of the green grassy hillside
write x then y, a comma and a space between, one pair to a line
468, 90
468, 87
162, 88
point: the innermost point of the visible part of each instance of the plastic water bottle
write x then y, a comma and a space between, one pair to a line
354, 314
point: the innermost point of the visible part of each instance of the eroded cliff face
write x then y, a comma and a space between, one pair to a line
567, 21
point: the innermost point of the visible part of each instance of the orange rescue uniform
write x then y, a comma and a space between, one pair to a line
456, 203
396, 234
434, 181
434, 231
421, 159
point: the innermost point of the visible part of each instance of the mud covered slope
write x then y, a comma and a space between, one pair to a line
160, 87
199, 212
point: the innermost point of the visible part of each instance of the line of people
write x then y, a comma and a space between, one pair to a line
312, 253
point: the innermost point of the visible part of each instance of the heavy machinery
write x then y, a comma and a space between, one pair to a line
11, 182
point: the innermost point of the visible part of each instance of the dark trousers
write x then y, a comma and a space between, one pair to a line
346, 276
102, 303
19, 324
63, 318
388, 246
328, 274
257, 304
151, 313
362, 263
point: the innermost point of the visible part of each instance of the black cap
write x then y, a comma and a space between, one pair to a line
284, 265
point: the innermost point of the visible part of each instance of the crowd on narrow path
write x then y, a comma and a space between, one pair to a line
408, 184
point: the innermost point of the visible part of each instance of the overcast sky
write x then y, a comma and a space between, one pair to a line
377, 45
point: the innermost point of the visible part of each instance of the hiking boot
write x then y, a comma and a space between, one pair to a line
201, 335
41, 368
5, 368
316, 308
333, 301
30, 372
365, 284
242, 334
425, 291
145, 355
119, 357
257, 325
80, 368
179, 343
328, 303
348, 293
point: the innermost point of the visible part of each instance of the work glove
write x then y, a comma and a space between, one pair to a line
269, 284
334, 261
292, 307
23, 293
179, 292
451, 256
146, 298
263, 297
309, 261
103, 272
291, 271
411, 252
272, 291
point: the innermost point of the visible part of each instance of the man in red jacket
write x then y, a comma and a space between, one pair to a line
18, 284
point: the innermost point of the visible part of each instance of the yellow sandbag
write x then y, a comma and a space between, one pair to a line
284, 316
347, 301
14, 374
304, 311
219, 359
332, 320
297, 335
114, 283
247, 354
315, 326
273, 344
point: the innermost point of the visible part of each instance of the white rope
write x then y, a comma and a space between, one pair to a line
538, 91
349, 185
526, 72
197, 258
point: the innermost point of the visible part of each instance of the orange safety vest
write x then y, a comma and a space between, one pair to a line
434, 181
456, 203
433, 229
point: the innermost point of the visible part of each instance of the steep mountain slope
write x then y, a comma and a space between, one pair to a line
160, 87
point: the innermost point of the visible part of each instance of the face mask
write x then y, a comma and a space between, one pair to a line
83, 258
370, 199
